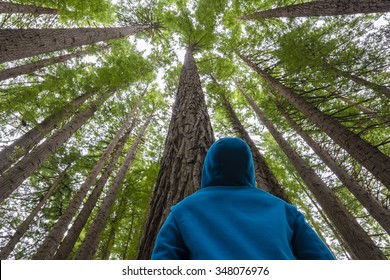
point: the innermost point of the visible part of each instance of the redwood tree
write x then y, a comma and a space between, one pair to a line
49, 246
265, 179
21, 146
89, 245
373, 206
13, 177
324, 8
21, 43
358, 240
366, 154
73, 233
188, 139
24, 226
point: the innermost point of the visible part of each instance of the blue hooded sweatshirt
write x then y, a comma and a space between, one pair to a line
229, 218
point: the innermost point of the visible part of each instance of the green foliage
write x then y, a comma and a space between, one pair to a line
80, 12
299, 52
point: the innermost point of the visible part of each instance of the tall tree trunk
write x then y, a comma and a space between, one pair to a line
52, 241
324, 8
21, 146
13, 177
129, 234
189, 137
73, 234
359, 241
13, 8
109, 242
37, 65
373, 206
21, 43
89, 245
344, 245
266, 180
365, 153
24, 226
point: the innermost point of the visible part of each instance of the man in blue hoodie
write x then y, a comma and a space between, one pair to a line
229, 218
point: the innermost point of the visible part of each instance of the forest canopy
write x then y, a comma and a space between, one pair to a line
103, 104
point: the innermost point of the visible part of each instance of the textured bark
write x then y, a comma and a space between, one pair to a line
365, 153
89, 245
188, 139
13, 8
24, 226
35, 66
73, 234
265, 179
346, 248
373, 206
21, 146
21, 43
14, 176
324, 8
358, 240
52, 241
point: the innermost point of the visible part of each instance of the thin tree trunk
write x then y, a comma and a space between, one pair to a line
373, 206
361, 81
115, 221
73, 234
13, 177
359, 241
344, 245
37, 65
383, 119
13, 8
89, 245
110, 240
365, 153
266, 180
52, 241
324, 8
129, 235
21, 146
361, 108
22, 43
189, 137
24, 226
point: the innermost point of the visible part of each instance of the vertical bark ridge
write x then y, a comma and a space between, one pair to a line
189, 137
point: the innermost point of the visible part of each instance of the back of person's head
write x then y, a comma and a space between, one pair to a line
228, 163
